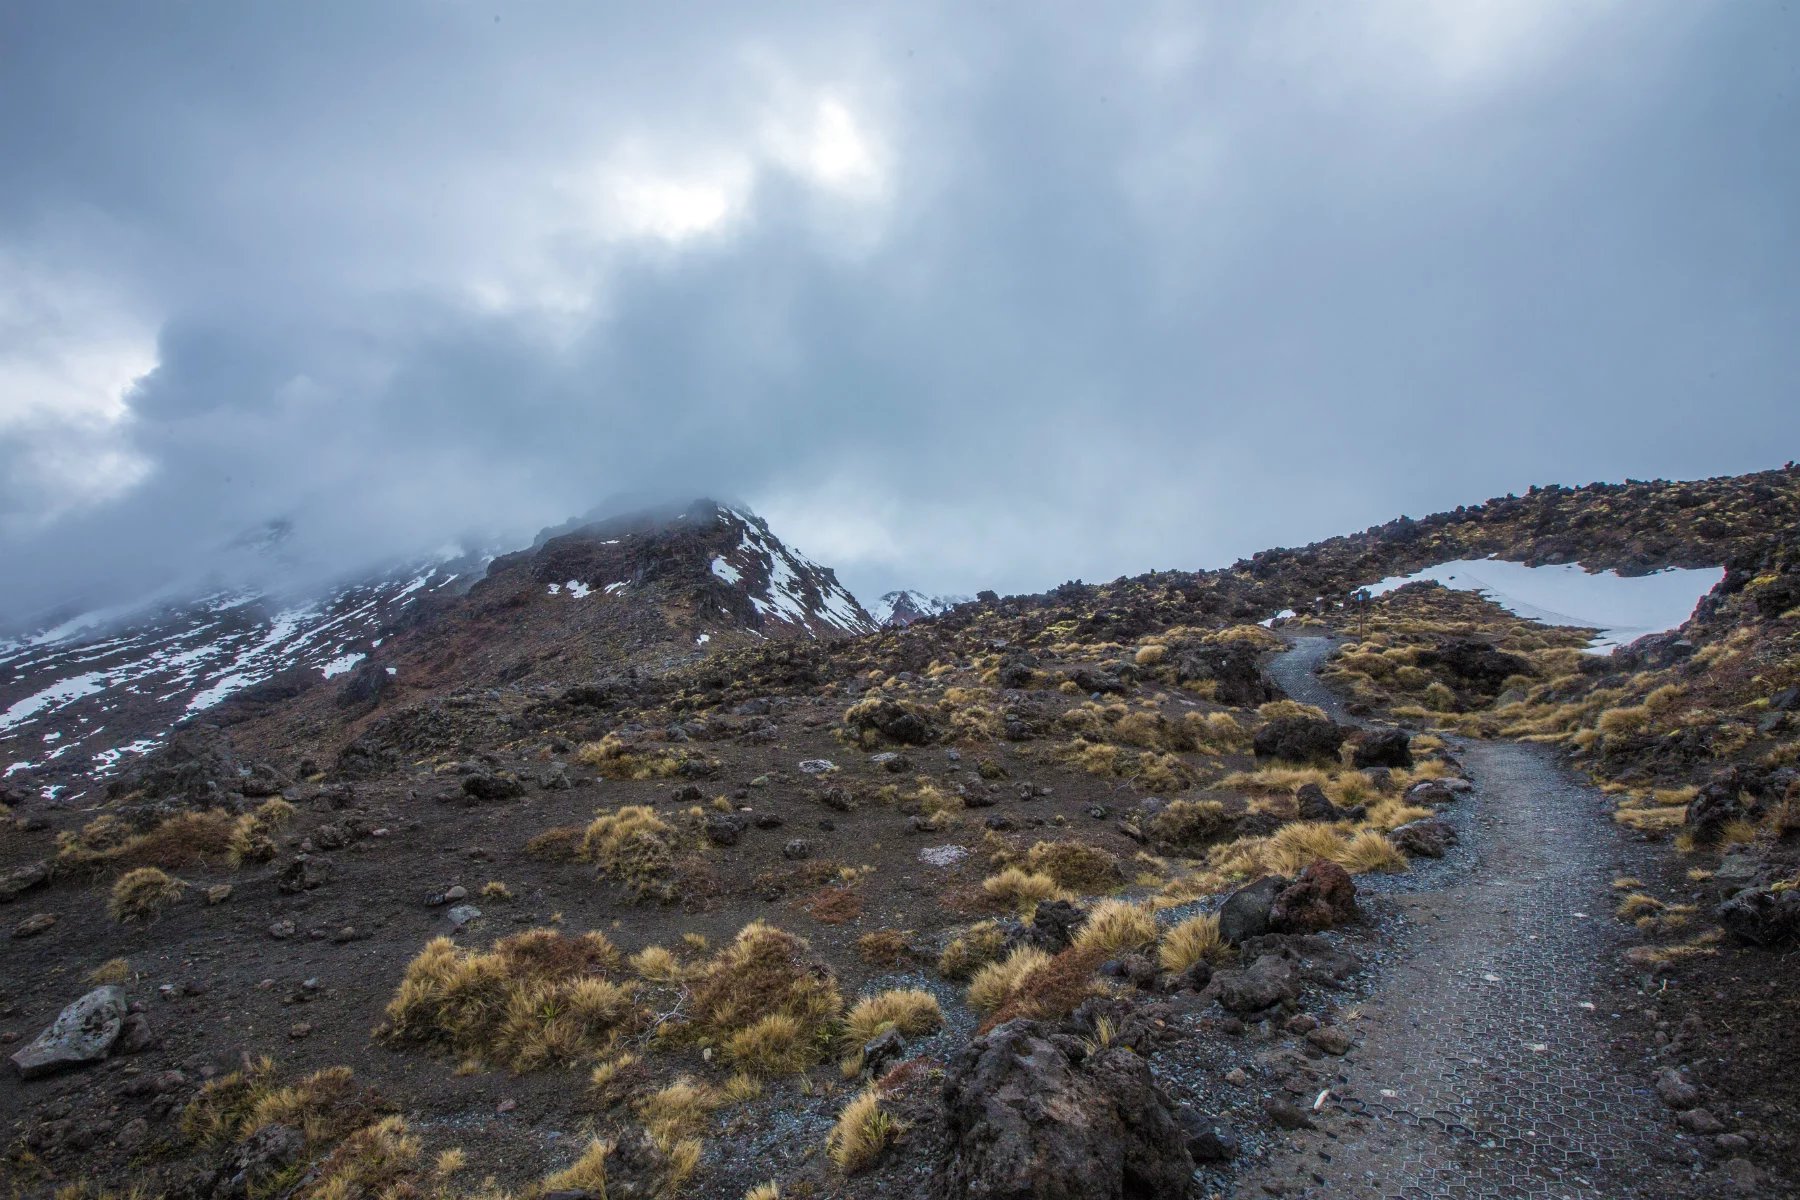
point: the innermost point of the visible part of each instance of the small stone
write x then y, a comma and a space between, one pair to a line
312, 983
1698, 1120
1237, 1077
1302, 1023
282, 929
33, 925
817, 766
455, 892
218, 893
798, 848
1673, 1086
462, 914
1330, 1039
1731, 1143
506, 1106
300, 1029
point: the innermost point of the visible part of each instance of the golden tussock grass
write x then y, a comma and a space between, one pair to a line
1192, 940
142, 894
995, 983
862, 1133
1077, 866
632, 845
535, 999
969, 951
613, 758
1020, 890
766, 1001
912, 1011
1115, 927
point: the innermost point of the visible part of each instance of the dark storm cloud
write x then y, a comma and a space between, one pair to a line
957, 298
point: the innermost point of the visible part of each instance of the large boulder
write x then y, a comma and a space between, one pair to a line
1232, 669
1763, 916
1266, 982
890, 719
1245, 913
1384, 748
1475, 664
1322, 897
84, 1032
1428, 837
1312, 804
1030, 1115
1299, 739
1733, 794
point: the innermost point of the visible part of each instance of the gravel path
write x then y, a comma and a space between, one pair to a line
1483, 1066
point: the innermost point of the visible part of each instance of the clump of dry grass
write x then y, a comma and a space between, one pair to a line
912, 1011
657, 964
1189, 824
1192, 940
969, 951
862, 1134
995, 983
766, 1002
535, 999
113, 970
615, 758
142, 894
1020, 890
183, 840
679, 1110
633, 845
1076, 866
1116, 927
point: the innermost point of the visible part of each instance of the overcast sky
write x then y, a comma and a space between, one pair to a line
958, 296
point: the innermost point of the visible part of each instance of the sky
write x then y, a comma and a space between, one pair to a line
958, 296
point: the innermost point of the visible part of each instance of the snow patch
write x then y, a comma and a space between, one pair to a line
725, 570
1623, 608
341, 664
578, 589
58, 695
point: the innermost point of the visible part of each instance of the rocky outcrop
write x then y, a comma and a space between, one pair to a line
1384, 748
1429, 837
1300, 739
84, 1032
1323, 896
1030, 1114
1245, 913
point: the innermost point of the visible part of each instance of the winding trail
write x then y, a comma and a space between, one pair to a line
1483, 1067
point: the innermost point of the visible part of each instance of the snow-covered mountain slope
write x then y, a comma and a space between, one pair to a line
78, 699
906, 606
782, 585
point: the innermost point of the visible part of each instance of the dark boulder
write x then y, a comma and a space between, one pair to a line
725, 829
1762, 916
1429, 837
1385, 748
1733, 794
1232, 669
1033, 1116
1245, 913
1299, 739
1475, 664
1313, 804
493, 785
1323, 896
891, 720
1266, 982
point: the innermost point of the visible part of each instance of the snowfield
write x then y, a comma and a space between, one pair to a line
1623, 608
